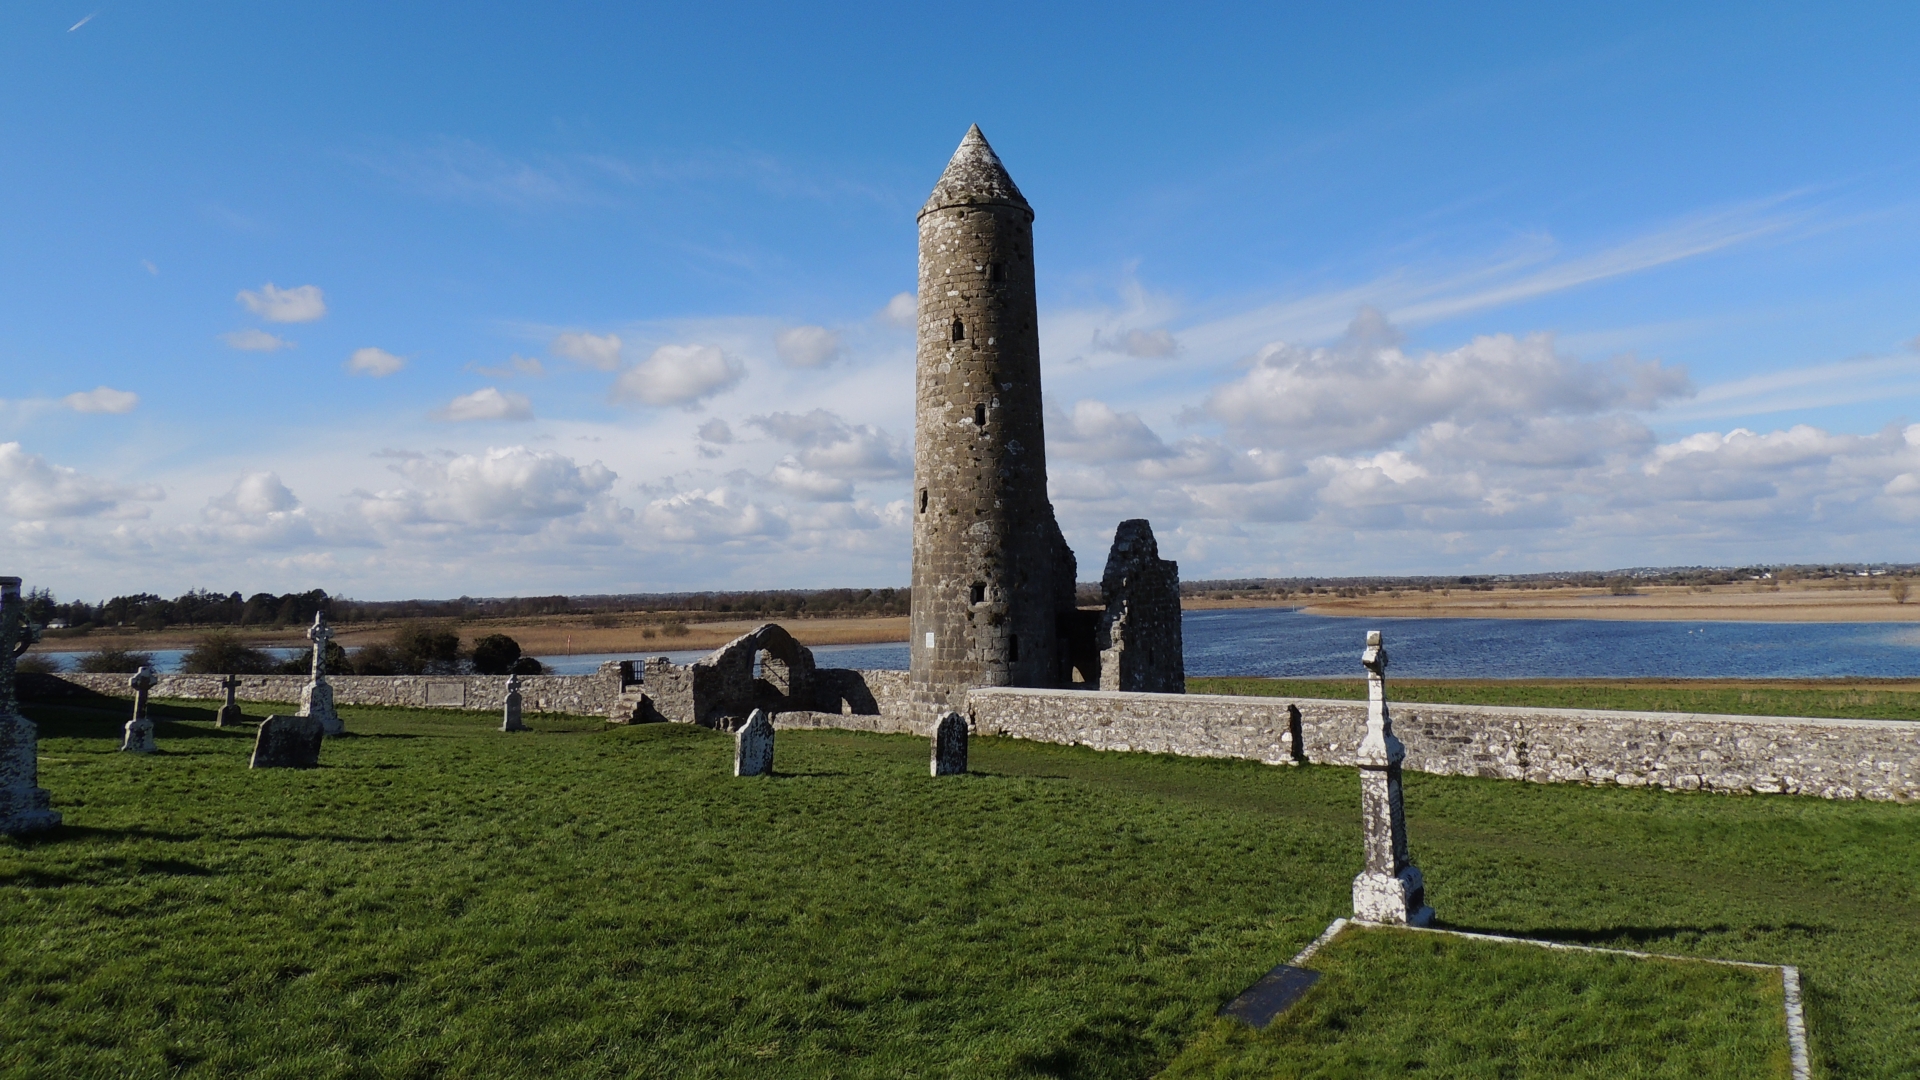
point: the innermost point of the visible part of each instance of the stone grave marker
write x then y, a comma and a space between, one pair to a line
229, 714
138, 738
511, 720
316, 698
753, 746
950, 745
24, 805
1391, 889
287, 742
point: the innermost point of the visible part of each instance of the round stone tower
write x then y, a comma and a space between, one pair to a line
991, 573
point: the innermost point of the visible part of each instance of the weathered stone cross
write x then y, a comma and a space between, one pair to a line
1390, 889
139, 730
24, 805
316, 698
229, 714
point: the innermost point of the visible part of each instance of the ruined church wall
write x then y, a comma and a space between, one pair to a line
1843, 759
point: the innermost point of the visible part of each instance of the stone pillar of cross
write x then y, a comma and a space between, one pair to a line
139, 731
229, 714
1390, 889
24, 805
319, 633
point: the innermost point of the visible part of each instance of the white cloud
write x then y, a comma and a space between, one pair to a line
510, 488
151, 269
902, 310
1146, 344
378, 363
808, 346
716, 431
1095, 432
255, 340
829, 444
598, 351
102, 399
33, 489
717, 515
803, 483
1364, 392
487, 403
515, 365
257, 511
678, 375
303, 303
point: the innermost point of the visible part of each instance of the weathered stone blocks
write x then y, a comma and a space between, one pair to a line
1140, 639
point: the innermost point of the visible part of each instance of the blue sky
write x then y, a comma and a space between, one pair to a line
489, 299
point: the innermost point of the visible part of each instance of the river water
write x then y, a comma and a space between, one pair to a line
1287, 642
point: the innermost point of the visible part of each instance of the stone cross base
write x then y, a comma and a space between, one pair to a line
316, 700
753, 746
1394, 899
139, 737
510, 717
24, 806
950, 745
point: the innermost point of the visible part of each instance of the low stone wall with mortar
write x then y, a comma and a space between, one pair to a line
1835, 759
585, 695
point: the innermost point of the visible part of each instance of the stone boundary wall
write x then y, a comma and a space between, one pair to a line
1835, 759
585, 695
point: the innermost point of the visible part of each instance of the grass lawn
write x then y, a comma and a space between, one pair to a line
1398, 1002
1850, 700
443, 900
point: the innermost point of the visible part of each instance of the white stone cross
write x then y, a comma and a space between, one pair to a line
319, 633
24, 805
138, 735
1390, 889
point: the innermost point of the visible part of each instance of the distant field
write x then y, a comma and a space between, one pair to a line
444, 900
1859, 699
1826, 600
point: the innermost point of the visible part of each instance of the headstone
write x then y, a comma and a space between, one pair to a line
511, 721
316, 698
1390, 889
753, 746
139, 731
287, 742
229, 714
24, 805
950, 745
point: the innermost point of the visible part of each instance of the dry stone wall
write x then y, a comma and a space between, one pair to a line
1836, 759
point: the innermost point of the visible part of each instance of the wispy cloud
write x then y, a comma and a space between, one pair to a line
255, 340
82, 22
1842, 382
377, 363
303, 303
104, 399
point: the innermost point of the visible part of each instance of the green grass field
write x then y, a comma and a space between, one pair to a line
1398, 1002
443, 900
1851, 700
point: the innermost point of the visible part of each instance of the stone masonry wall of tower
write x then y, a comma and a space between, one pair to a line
988, 557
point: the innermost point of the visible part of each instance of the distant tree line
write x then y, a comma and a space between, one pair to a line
202, 607
416, 648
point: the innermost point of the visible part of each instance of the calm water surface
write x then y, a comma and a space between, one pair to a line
1285, 642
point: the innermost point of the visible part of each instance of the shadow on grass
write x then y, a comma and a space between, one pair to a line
1636, 935
65, 833
332, 838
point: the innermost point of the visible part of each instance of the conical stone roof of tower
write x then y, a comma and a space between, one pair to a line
975, 177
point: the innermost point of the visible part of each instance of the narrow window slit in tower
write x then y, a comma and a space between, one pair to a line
980, 416
959, 330
996, 272
1013, 649
978, 593
923, 500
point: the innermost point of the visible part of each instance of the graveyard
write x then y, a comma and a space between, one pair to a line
444, 898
